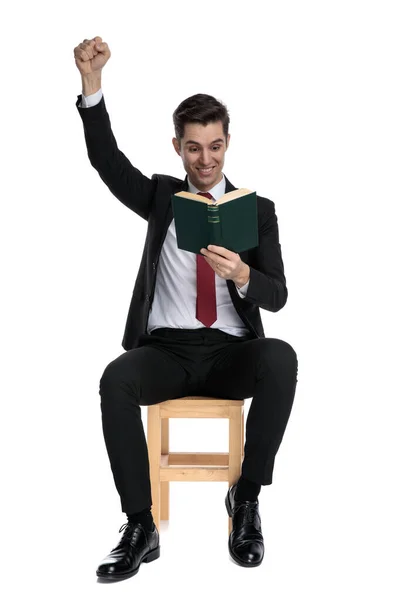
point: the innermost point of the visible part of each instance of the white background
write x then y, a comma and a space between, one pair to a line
313, 93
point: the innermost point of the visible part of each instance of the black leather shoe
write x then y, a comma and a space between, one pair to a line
246, 542
137, 545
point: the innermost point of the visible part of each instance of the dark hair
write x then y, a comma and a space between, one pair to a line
200, 108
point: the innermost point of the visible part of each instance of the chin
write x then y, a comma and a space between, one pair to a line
209, 182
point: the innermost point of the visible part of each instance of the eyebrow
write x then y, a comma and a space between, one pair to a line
197, 143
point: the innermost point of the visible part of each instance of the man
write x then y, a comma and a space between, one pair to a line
194, 321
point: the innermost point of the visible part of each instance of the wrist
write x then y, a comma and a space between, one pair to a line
91, 83
243, 277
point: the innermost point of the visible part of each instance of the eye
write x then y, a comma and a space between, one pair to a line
192, 149
218, 147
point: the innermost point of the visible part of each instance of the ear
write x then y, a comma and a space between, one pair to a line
228, 140
176, 145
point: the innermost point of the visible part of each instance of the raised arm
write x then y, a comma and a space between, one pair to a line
125, 181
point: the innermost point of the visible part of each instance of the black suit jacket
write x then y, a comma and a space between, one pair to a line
151, 200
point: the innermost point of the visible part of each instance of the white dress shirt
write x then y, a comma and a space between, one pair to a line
176, 281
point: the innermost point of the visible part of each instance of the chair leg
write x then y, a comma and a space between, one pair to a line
235, 448
154, 451
164, 485
242, 409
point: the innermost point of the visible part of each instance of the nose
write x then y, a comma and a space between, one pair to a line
205, 158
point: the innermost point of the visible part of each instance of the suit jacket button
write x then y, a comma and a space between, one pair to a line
147, 297
154, 266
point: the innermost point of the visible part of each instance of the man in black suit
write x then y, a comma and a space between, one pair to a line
193, 325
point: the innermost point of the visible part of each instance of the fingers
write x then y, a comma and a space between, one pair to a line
90, 45
88, 49
84, 51
103, 48
99, 45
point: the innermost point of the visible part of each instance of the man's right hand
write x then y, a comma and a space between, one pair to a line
91, 56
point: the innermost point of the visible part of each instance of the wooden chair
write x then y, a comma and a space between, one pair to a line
168, 466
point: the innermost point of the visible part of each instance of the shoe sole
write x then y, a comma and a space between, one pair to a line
233, 555
150, 556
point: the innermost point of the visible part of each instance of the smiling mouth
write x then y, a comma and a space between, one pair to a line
205, 171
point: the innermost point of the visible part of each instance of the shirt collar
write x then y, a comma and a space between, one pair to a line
216, 192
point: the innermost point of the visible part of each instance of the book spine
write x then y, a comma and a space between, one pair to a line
214, 225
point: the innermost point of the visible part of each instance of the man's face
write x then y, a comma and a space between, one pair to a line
203, 147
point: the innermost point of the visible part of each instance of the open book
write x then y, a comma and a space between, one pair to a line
230, 222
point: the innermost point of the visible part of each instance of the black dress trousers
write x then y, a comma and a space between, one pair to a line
171, 363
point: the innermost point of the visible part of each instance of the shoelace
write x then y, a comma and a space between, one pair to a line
127, 526
123, 526
250, 513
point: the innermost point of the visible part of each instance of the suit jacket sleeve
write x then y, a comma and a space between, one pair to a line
267, 285
126, 182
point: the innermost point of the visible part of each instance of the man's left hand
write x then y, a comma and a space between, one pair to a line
230, 265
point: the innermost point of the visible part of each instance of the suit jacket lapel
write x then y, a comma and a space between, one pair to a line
228, 185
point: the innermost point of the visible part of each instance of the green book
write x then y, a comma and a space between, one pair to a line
230, 222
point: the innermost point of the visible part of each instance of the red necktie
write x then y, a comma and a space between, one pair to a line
206, 307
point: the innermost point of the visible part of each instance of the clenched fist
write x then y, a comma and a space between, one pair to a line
91, 56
